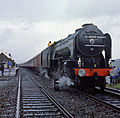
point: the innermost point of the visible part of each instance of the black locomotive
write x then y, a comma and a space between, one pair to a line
80, 56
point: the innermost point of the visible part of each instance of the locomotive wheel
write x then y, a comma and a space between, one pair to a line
78, 83
87, 84
92, 84
60, 71
68, 71
56, 84
84, 84
102, 84
58, 75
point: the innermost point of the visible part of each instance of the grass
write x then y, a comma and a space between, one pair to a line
117, 86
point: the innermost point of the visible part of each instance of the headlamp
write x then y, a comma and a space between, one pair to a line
81, 72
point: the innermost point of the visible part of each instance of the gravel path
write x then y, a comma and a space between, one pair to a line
8, 90
78, 105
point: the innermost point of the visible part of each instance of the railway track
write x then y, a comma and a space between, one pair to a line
34, 101
107, 98
112, 97
112, 90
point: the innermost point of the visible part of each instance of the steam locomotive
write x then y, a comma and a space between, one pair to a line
82, 56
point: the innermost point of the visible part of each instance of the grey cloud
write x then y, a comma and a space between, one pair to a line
32, 9
92, 8
26, 26
4, 36
23, 42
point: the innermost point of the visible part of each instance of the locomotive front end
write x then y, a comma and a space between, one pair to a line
90, 41
93, 49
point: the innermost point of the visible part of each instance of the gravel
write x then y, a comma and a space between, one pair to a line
78, 105
8, 92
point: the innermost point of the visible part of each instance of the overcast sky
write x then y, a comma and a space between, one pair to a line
26, 26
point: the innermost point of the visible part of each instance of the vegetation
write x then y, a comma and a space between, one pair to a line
117, 86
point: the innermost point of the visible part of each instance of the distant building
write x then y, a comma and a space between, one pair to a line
6, 60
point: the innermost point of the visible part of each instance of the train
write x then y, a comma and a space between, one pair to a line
83, 56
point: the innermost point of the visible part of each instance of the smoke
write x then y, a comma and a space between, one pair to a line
44, 72
65, 81
46, 75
